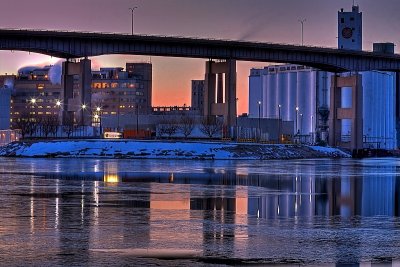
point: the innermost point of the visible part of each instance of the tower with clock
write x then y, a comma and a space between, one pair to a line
350, 29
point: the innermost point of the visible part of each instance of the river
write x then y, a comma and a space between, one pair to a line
74, 212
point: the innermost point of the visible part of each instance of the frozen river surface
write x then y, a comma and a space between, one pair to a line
75, 212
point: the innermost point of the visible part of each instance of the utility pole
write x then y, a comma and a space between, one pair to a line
132, 9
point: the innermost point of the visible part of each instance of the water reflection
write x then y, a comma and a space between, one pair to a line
305, 193
302, 212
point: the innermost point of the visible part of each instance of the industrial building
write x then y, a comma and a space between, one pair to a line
303, 95
350, 29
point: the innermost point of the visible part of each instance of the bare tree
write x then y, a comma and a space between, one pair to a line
49, 125
167, 127
161, 127
22, 124
211, 126
171, 128
53, 123
186, 125
33, 125
69, 126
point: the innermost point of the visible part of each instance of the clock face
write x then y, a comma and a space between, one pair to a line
347, 33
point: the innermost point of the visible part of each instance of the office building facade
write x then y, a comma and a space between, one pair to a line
114, 91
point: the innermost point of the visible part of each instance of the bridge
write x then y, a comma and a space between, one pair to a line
87, 44
70, 45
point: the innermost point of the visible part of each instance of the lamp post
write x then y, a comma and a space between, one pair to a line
137, 119
33, 102
279, 123
301, 123
58, 105
302, 30
98, 113
259, 120
297, 114
132, 9
83, 108
32, 113
312, 129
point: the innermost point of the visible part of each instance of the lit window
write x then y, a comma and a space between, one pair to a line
96, 85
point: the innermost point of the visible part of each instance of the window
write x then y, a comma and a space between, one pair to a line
96, 85
351, 19
342, 20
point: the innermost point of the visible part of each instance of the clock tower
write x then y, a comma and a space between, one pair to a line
350, 29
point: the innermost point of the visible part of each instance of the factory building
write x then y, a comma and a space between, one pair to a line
302, 94
290, 93
350, 29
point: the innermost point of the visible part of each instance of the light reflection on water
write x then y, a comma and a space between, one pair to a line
116, 212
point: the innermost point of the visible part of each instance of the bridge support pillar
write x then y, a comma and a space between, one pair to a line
76, 93
220, 91
352, 114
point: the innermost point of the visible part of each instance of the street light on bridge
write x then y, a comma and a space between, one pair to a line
297, 115
259, 120
302, 30
132, 9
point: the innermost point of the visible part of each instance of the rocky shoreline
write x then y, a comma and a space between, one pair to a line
134, 149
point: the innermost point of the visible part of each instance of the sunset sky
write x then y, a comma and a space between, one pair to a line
260, 20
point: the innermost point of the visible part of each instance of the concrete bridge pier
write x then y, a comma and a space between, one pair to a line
354, 113
220, 91
76, 94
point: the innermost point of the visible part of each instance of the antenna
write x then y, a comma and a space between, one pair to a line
354, 2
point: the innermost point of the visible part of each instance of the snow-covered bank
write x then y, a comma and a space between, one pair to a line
164, 150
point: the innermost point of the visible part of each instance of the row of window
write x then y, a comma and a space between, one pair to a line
119, 93
97, 85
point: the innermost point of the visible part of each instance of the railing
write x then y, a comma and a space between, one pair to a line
297, 46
